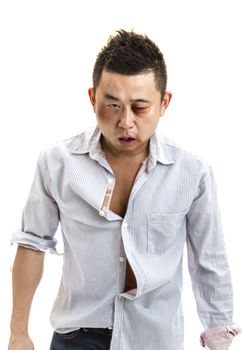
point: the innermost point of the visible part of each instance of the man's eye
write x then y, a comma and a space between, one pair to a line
114, 106
139, 109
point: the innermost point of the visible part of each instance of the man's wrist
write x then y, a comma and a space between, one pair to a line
18, 329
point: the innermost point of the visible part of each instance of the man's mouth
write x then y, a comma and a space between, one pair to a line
126, 139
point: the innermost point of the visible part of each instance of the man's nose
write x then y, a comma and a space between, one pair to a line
126, 119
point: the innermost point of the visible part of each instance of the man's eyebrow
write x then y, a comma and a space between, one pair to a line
114, 98
110, 97
140, 100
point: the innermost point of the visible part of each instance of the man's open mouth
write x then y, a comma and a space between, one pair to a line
126, 139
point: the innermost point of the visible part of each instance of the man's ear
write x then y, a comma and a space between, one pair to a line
92, 97
166, 101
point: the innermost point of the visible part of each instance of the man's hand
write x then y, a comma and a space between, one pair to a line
20, 342
219, 338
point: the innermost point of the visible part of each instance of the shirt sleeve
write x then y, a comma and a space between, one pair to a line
40, 216
207, 260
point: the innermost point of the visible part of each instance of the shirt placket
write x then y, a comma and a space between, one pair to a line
107, 198
126, 232
116, 343
117, 327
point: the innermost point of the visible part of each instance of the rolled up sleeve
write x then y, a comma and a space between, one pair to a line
207, 259
219, 338
40, 218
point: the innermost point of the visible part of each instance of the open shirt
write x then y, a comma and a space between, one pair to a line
173, 201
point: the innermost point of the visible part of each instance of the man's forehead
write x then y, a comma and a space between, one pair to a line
137, 87
107, 75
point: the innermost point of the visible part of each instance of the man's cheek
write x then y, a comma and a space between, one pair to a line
103, 113
106, 116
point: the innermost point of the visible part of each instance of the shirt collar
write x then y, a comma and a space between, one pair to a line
159, 150
86, 142
89, 142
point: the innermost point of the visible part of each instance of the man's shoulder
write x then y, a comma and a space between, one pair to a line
183, 157
182, 151
76, 144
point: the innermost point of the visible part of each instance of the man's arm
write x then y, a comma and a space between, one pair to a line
40, 221
27, 273
209, 268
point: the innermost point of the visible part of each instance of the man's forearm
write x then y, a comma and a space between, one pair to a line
27, 272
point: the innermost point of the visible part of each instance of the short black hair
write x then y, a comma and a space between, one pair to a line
129, 53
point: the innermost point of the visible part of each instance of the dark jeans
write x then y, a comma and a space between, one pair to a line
82, 339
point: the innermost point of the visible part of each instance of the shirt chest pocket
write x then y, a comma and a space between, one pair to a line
163, 230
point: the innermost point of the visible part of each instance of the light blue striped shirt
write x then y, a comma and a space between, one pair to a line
172, 202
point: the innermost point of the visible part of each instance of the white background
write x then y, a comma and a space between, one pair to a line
48, 49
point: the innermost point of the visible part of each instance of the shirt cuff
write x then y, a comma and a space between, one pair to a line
219, 338
34, 242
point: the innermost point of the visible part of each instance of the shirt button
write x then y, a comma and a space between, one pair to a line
121, 259
110, 180
101, 213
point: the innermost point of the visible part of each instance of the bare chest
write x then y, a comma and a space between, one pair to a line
124, 181
125, 178
120, 196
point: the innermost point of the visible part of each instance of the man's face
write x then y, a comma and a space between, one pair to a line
128, 109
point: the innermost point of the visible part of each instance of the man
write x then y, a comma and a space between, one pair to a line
127, 200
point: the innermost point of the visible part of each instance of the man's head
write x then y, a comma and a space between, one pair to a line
129, 93
129, 53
